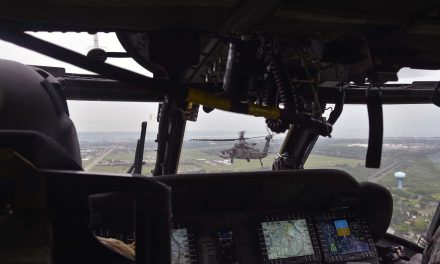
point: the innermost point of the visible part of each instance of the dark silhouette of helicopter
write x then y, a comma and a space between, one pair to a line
242, 149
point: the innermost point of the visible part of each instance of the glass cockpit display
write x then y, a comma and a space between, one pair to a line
343, 236
287, 239
180, 251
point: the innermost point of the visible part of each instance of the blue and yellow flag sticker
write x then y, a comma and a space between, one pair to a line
342, 228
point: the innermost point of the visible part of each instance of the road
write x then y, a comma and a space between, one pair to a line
380, 174
99, 159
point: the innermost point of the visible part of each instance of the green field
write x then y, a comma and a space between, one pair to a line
121, 155
110, 169
322, 161
85, 163
124, 156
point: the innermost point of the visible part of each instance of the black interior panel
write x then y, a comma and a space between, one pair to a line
303, 190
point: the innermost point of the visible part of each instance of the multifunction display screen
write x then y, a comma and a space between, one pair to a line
180, 252
344, 236
287, 239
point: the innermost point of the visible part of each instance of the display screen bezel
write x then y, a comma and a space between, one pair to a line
316, 257
349, 216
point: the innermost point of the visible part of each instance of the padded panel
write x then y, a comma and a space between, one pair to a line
377, 206
312, 191
68, 203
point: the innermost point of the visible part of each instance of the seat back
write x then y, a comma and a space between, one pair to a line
61, 222
25, 226
35, 126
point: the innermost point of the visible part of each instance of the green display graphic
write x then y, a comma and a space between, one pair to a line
286, 239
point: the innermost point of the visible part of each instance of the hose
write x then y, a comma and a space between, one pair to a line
277, 125
281, 79
269, 93
285, 94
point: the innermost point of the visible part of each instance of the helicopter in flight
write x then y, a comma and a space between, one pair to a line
242, 149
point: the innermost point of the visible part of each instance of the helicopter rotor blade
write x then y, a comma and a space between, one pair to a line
223, 139
253, 137
214, 139
241, 138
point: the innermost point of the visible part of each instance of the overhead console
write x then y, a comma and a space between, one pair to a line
306, 216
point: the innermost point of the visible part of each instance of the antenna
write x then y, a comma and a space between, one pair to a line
136, 168
99, 54
95, 41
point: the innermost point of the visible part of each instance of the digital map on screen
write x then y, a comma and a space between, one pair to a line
286, 239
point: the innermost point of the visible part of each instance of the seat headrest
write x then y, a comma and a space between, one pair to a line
31, 100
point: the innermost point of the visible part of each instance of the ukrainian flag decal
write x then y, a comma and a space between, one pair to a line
342, 228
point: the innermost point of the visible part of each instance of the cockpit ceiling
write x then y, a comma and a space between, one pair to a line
147, 3
399, 33
285, 17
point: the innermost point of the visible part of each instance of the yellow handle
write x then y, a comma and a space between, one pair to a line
210, 100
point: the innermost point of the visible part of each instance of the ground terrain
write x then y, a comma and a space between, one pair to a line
419, 158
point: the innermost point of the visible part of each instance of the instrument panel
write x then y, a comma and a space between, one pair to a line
339, 236
304, 216
345, 237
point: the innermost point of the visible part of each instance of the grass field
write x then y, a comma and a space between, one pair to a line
125, 155
120, 155
322, 161
86, 162
110, 169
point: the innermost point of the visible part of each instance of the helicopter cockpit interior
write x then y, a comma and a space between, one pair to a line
297, 65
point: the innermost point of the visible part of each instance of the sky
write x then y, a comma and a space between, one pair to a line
400, 120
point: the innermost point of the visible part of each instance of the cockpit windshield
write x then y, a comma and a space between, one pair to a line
108, 132
226, 142
410, 166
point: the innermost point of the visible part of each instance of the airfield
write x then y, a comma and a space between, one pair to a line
419, 158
